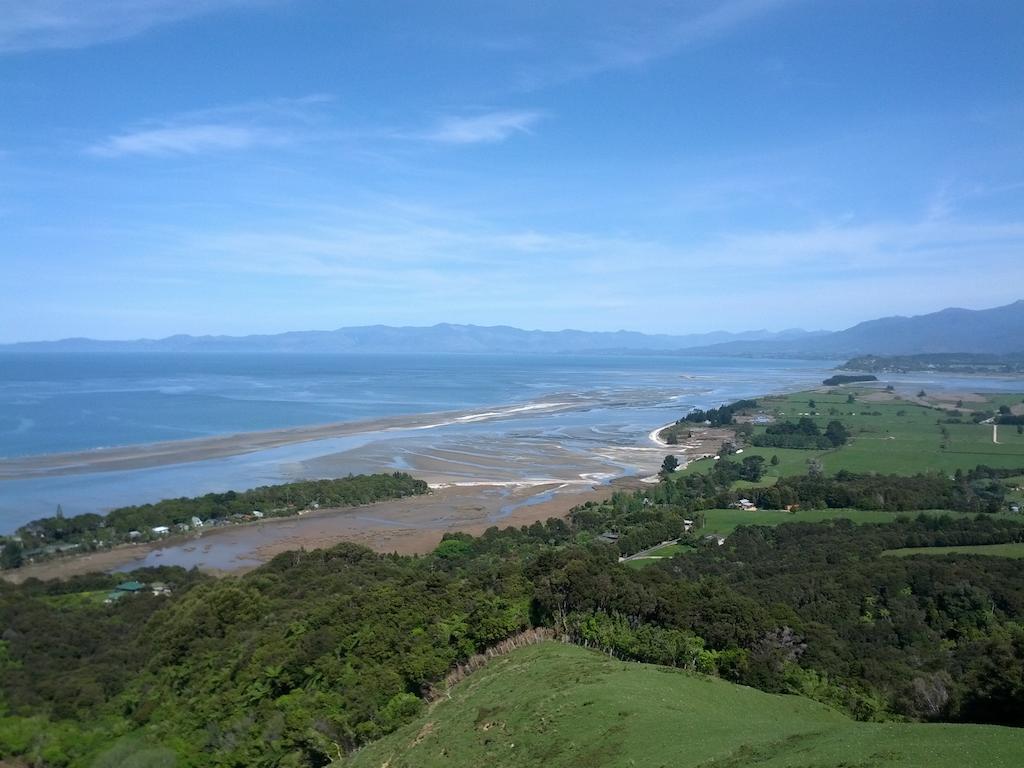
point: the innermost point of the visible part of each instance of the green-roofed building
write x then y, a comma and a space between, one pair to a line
131, 586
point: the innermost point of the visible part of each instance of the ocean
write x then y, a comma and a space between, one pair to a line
507, 419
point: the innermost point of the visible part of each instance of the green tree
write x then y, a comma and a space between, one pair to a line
669, 464
775, 460
11, 555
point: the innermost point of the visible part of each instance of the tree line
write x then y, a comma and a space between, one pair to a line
48, 535
315, 653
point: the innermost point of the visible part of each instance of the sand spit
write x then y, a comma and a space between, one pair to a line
220, 446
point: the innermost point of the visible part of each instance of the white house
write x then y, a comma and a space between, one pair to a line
196, 522
161, 530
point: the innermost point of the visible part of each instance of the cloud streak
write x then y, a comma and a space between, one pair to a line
450, 245
422, 265
488, 128
27, 25
184, 140
273, 123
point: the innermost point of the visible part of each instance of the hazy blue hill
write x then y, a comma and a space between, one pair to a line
442, 338
998, 331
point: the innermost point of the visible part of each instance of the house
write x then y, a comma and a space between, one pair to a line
113, 597
745, 504
160, 530
715, 538
1015, 509
160, 589
608, 537
130, 587
134, 534
196, 522
182, 527
257, 514
687, 526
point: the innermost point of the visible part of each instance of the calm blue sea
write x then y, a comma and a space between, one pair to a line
57, 403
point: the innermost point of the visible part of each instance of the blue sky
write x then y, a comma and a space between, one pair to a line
254, 166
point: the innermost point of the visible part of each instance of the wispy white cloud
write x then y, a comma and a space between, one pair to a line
608, 36
181, 140
237, 127
27, 25
435, 261
666, 35
488, 128
352, 243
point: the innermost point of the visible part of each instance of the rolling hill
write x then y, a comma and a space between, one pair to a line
562, 706
441, 338
996, 331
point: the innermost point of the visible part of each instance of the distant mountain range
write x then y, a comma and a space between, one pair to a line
997, 331
442, 338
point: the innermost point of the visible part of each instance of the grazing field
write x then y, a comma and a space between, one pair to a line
661, 553
557, 705
991, 550
890, 433
725, 521
78, 599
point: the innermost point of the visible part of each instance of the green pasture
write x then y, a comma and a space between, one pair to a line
560, 706
669, 550
78, 599
899, 436
992, 550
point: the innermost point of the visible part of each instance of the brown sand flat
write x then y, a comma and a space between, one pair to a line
952, 397
407, 526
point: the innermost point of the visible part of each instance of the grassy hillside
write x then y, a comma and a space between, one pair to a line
1015, 550
725, 521
556, 705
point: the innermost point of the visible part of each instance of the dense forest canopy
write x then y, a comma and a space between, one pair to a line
316, 653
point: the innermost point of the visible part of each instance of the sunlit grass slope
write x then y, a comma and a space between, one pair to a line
1015, 550
557, 705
